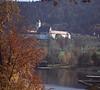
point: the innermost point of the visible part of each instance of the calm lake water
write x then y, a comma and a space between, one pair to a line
61, 77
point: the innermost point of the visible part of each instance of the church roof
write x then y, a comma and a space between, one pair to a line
43, 29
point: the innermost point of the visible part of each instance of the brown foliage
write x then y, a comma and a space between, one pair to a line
65, 57
19, 59
9, 13
18, 56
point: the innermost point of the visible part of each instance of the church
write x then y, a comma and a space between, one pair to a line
45, 31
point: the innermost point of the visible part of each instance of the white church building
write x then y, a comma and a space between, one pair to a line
64, 34
43, 30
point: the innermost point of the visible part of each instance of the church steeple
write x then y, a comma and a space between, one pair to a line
38, 24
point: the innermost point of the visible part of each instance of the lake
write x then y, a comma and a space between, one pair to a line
61, 78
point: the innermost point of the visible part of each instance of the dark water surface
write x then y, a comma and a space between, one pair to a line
61, 77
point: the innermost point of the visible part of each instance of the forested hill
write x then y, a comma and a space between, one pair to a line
78, 18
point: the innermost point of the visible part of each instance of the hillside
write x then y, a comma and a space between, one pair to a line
77, 18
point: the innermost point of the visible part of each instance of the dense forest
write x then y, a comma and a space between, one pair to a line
76, 18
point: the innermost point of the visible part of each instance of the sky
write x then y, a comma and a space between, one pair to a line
28, 0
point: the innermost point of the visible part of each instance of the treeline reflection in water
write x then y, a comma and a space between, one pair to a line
61, 77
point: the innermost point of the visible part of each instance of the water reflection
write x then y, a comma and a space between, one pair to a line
62, 77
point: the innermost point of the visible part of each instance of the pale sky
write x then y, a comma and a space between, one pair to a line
28, 0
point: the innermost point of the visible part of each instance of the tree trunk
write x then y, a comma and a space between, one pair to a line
0, 56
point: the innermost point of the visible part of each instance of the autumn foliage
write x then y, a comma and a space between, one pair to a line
19, 59
9, 14
19, 56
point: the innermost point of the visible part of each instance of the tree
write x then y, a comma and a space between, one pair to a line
19, 59
96, 58
9, 13
56, 2
18, 55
